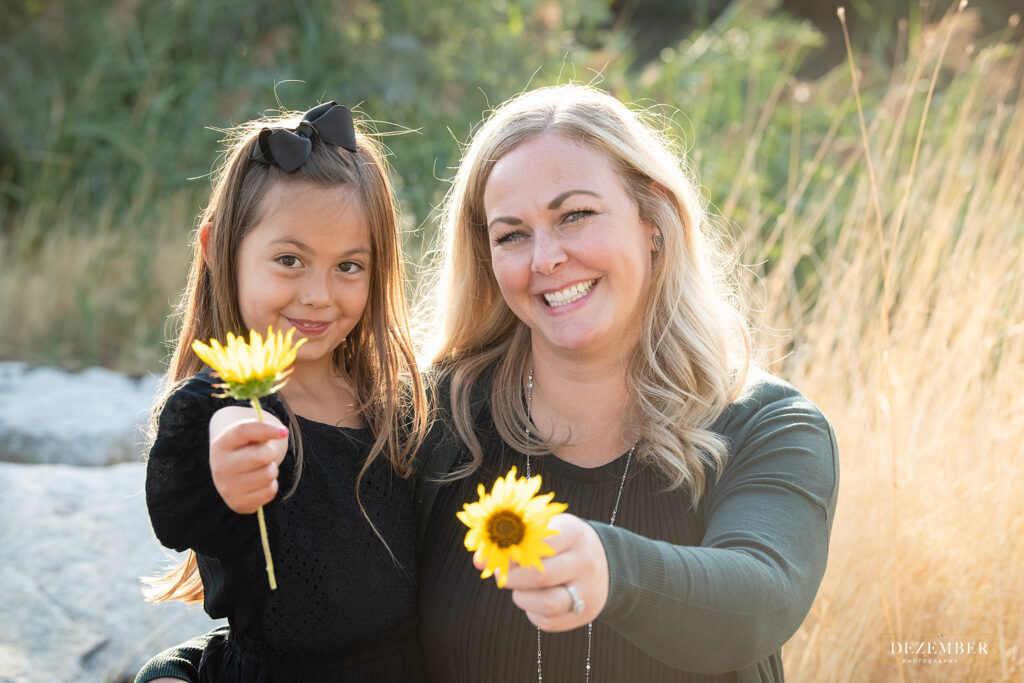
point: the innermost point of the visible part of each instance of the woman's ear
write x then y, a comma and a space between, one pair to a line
657, 240
204, 241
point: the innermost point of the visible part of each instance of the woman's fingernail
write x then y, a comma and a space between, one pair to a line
282, 431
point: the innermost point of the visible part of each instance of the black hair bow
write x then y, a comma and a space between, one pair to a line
289, 148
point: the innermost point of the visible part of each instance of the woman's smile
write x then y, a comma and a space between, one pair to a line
568, 295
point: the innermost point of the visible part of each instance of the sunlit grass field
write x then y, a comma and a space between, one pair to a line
913, 344
885, 279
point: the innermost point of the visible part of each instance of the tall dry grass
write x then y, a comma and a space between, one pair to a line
909, 332
94, 291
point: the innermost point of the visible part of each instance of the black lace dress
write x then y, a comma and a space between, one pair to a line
344, 608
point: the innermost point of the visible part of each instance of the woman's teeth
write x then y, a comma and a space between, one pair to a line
569, 294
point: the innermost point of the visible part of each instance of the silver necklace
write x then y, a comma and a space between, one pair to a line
615, 512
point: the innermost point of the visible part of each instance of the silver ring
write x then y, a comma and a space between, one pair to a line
577, 603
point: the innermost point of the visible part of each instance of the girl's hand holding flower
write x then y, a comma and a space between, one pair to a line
250, 370
245, 455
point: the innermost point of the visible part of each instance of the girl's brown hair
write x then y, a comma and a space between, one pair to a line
377, 355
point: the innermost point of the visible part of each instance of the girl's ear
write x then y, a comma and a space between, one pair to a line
204, 241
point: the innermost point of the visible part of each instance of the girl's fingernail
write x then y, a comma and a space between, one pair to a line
282, 431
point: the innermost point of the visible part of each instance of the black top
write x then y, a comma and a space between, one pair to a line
339, 590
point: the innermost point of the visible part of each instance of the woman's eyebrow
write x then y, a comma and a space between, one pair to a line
557, 201
552, 205
510, 220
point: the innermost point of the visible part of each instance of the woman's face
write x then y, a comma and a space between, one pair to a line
568, 249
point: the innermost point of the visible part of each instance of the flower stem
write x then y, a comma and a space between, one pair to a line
255, 402
266, 548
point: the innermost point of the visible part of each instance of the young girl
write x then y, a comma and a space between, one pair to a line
300, 233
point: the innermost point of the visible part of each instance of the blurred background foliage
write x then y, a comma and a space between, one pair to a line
109, 113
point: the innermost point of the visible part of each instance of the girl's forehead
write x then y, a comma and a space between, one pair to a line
311, 214
289, 195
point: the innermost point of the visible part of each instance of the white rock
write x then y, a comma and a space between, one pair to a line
73, 543
94, 417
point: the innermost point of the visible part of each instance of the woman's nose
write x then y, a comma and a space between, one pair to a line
548, 253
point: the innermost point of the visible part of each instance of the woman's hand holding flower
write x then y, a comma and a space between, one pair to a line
579, 561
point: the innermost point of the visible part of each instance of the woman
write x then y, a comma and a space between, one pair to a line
586, 337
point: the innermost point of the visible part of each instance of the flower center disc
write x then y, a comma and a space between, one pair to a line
505, 528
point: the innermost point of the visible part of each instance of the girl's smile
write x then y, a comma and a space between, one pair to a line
309, 328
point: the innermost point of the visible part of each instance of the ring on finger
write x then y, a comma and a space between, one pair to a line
577, 605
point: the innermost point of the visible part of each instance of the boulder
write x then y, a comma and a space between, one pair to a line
75, 541
94, 417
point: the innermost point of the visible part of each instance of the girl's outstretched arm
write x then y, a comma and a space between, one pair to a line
187, 509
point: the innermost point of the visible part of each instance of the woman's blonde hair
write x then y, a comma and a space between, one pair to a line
694, 352
377, 355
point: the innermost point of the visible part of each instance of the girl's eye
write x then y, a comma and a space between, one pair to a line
288, 261
509, 237
349, 267
577, 215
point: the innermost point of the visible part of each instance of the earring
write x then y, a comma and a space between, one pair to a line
659, 241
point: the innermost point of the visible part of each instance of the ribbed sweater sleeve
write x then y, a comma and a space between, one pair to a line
180, 661
735, 599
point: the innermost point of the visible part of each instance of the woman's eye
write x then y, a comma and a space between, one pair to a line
349, 267
509, 237
577, 215
288, 261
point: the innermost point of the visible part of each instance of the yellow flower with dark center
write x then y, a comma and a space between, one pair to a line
254, 369
251, 371
510, 523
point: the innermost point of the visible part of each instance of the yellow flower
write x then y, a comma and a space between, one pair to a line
251, 371
254, 369
510, 522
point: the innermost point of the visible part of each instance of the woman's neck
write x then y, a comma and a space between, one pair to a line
586, 405
322, 393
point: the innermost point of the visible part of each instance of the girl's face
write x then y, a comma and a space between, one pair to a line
306, 265
569, 252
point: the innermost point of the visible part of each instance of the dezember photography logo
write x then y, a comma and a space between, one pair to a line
937, 648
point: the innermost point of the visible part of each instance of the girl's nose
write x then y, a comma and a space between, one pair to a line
316, 292
548, 253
